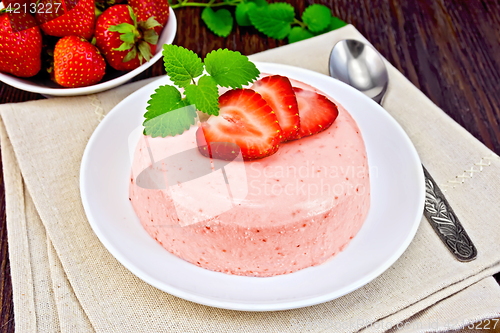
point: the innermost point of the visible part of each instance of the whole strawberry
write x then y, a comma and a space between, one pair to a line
77, 63
20, 50
77, 18
144, 9
125, 43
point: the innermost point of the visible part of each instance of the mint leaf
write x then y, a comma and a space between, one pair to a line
230, 69
317, 17
171, 123
335, 23
259, 3
164, 99
220, 22
204, 95
241, 13
298, 34
168, 114
182, 65
273, 20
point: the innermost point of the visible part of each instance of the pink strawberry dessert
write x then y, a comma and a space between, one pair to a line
304, 193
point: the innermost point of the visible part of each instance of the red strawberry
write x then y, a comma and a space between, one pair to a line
278, 93
77, 63
246, 120
144, 9
316, 112
67, 18
20, 52
124, 42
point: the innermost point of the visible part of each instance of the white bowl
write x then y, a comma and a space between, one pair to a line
47, 87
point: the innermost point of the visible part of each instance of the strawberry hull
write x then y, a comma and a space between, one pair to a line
109, 41
144, 9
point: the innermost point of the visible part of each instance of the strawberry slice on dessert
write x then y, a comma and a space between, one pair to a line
277, 91
316, 112
245, 119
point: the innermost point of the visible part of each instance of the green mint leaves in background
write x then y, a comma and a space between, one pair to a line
316, 17
275, 20
169, 113
220, 22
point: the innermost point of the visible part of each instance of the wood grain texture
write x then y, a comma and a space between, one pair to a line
450, 49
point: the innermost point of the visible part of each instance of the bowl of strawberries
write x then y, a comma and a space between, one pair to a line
80, 47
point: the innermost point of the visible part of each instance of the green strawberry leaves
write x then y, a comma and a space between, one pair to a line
135, 37
169, 113
150, 23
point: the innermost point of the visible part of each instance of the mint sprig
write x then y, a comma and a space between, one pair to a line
205, 95
171, 112
168, 114
182, 65
275, 20
298, 34
230, 69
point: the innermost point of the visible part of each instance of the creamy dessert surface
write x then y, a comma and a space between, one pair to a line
289, 211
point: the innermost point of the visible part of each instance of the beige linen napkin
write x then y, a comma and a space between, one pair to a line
65, 280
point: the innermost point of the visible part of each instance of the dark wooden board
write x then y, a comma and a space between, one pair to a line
450, 49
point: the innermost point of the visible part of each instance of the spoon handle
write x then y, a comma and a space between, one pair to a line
445, 223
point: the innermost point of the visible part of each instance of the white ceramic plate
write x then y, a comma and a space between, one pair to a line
397, 201
114, 79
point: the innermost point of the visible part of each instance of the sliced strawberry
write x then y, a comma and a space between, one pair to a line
316, 112
245, 119
278, 93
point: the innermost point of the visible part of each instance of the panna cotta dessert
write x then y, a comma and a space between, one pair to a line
277, 182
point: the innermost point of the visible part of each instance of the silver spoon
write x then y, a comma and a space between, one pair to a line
360, 66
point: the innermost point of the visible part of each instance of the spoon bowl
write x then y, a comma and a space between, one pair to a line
360, 66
